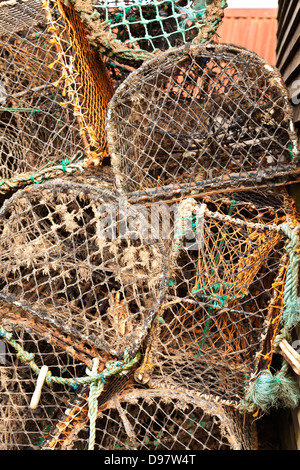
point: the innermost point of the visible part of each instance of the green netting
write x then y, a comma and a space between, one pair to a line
154, 23
132, 31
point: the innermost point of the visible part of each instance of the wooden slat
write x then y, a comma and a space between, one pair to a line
251, 12
285, 10
290, 34
288, 49
295, 425
297, 114
292, 70
288, 63
295, 414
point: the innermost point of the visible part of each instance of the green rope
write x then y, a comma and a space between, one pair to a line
94, 379
21, 110
291, 301
64, 164
96, 389
34, 181
43, 174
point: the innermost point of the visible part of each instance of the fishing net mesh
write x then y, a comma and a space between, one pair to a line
86, 82
36, 128
213, 332
23, 428
128, 418
223, 309
157, 24
123, 33
155, 419
72, 261
130, 32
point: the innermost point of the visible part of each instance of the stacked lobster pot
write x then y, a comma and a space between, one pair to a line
149, 247
202, 139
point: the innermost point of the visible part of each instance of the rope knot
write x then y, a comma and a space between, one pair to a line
64, 162
5, 334
33, 180
271, 391
49, 379
25, 356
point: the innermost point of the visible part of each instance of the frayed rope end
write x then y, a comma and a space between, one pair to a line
291, 314
271, 391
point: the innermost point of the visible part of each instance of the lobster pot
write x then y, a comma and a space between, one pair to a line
75, 257
223, 308
200, 118
141, 28
37, 126
24, 428
157, 419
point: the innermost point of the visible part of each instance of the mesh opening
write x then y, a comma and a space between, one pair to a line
81, 276
13, 14
151, 25
84, 76
130, 32
223, 308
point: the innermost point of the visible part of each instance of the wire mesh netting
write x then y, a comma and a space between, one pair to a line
201, 117
37, 128
136, 419
155, 419
13, 13
152, 25
73, 261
